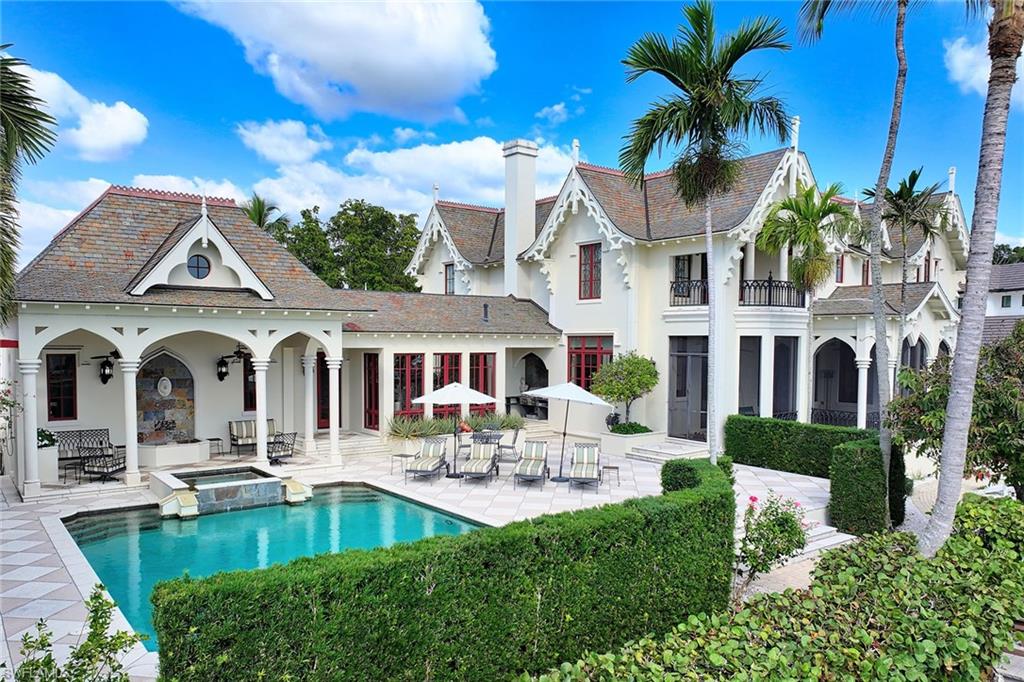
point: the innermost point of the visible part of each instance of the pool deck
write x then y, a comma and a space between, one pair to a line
43, 574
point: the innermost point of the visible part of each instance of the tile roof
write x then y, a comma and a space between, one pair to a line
998, 328
479, 231
915, 238
857, 300
1007, 277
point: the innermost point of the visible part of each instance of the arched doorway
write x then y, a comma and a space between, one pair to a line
165, 400
914, 356
834, 400
944, 351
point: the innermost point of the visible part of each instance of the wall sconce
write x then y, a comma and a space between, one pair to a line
106, 371
222, 369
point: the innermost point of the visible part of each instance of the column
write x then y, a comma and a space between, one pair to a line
767, 385
464, 379
386, 387
309, 397
129, 368
334, 384
259, 367
500, 390
748, 261
803, 381
784, 264
894, 364
862, 392
29, 370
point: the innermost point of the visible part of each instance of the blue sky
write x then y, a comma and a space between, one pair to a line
316, 103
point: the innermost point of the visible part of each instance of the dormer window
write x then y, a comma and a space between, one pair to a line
198, 266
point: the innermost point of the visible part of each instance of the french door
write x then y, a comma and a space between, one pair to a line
323, 393
371, 391
688, 387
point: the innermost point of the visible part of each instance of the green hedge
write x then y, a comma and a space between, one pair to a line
857, 492
900, 487
485, 605
679, 474
786, 445
875, 610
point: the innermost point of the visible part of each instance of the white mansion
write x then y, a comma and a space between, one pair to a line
161, 317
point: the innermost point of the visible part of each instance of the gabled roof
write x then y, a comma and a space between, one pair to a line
916, 238
120, 236
998, 328
857, 300
1007, 277
478, 232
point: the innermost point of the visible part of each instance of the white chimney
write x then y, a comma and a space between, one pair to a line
952, 179
520, 211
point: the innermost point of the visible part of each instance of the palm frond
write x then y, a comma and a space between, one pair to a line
812, 15
653, 54
761, 33
666, 122
27, 129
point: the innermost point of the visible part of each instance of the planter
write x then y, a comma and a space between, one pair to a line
48, 465
406, 446
168, 454
620, 444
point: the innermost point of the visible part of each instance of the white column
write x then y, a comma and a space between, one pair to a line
29, 370
309, 397
894, 364
767, 385
803, 390
748, 260
129, 368
259, 367
334, 384
386, 388
783, 264
500, 380
464, 379
862, 392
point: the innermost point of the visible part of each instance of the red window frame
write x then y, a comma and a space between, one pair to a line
371, 391
248, 384
865, 273
590, 271
408, 384
481, 378
586, 355
840, 268
449, 279
447, 369
61, 387
928, 266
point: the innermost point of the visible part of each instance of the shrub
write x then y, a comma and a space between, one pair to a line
725, 464
405, 428
44, 438
875, 610
785, 445
480, 606
679, 474
857, 493
625, 379
628, 428
773, 532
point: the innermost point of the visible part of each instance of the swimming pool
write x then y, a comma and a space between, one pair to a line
131, 551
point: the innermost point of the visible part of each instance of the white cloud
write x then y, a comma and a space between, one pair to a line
38, 224
968, 65
404, 135
1011, 239
69, 193
98, 131
403, 59
283, 141
176, 183
554, 114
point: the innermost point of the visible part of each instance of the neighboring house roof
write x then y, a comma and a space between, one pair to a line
437, 313
120, 236
1007, 277
478, 232
857, 300
998, 328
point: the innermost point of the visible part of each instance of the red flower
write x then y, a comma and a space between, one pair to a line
753, 500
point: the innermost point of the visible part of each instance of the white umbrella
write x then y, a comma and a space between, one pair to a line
570, 393
454, 393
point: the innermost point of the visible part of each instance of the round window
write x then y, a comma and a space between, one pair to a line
198, 266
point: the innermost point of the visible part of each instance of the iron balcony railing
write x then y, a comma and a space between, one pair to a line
778, 293
841, 418
688, 292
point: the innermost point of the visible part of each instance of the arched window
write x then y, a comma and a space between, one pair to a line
198, 266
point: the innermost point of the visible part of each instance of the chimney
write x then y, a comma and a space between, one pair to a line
952, 179
520, 211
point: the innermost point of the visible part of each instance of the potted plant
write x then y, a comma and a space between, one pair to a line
624, 380
46, 446
406, 434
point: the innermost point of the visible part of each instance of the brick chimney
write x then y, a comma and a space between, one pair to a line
520, 211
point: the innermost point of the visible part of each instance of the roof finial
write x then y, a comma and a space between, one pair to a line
952, 179
206, 222
575, 152
437, 191
795, 126
203, 209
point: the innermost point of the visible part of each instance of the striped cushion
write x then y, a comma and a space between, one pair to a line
477, 466
432, 448
530, 467
243, 431
482, 451
584, 454
535, 449
584, 472
424, 464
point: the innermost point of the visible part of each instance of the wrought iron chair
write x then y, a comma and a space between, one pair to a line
281, 446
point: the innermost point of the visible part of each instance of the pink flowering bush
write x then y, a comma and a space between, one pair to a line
774, 530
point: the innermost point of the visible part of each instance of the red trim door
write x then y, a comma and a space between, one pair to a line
481, 378
408, 384
447, 370
371, 391
323, 393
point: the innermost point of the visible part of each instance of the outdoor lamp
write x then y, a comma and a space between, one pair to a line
106, 371
222, 369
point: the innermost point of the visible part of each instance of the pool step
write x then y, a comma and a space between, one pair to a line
181, 503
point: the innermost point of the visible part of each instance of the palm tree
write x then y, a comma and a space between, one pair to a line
909, 210
711, 107
261, 212
812, 24
1005, 40
26, 134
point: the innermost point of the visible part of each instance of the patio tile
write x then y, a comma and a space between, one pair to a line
30, 590
40, 608
22, 558
27, 573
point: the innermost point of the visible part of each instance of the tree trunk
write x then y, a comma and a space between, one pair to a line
904, 273
875, 224
1006, 34
712, 290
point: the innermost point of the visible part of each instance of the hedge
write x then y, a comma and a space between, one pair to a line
485, 605
875, 610
857, 492
786, 445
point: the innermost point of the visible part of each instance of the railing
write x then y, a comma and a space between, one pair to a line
771, 292
688, 292
788, 416
841, 418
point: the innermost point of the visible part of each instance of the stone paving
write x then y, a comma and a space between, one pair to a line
43, 574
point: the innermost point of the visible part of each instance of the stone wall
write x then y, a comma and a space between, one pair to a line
231, 497
167, 410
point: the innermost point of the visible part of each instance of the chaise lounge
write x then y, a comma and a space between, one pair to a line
482, 462
429, 461
586, 465
533, 465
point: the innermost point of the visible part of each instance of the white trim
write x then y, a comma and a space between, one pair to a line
434, 227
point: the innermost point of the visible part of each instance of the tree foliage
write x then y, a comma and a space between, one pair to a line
265, 214
360, 246
625, 379
996, 435
1004, 253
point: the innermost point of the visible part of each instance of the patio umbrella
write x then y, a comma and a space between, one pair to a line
454, 393
570, 393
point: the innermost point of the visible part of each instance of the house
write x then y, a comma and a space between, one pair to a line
1005, 305
161, 317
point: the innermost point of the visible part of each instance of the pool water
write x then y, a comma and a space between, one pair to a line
193, 480
131, 551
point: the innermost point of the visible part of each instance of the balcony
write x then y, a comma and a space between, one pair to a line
776, 293
688, 292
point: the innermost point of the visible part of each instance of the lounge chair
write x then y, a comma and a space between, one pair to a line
429, 461
281, 446
533, 465
509, 448
586, 465
482, 462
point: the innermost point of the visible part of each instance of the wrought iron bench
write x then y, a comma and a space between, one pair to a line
281, 446
103, 463
243, 434
76, 446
